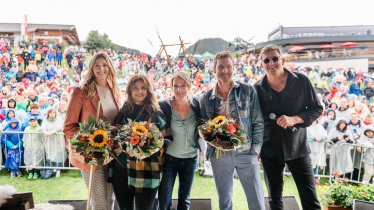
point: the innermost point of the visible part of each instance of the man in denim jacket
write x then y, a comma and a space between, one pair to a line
238, 101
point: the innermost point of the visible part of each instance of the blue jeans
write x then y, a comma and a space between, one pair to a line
185, 168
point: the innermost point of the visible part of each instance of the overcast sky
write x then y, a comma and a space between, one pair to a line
132, 23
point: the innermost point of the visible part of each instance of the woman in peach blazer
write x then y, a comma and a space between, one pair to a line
99, 85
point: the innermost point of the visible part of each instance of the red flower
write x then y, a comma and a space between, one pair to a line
135, 141
231, 128
110, 142
335, 174
83, 138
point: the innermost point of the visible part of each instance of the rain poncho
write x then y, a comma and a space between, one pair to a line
55, 143
34, 147
318, 148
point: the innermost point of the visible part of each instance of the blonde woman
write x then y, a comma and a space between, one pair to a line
99, 85
182, 114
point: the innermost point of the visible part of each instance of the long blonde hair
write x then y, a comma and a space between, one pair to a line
150, 101
89, 84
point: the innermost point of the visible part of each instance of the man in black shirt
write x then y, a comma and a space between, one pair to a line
289, 105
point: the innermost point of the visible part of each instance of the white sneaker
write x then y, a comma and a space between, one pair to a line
58, 174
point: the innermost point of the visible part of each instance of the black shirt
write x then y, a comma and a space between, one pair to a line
297, 98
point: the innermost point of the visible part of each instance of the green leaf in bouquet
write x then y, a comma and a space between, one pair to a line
81, 126
74, 141
91, 120
239, 132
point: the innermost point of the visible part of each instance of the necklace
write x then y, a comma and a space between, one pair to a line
103, 91
185, 126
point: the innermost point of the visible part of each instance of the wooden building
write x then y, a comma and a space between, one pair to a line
38, 33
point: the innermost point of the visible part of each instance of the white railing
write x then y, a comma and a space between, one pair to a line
330, 151
42, 152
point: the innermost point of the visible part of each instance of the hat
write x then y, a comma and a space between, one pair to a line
334, 102
342, 120
330, 110
13, 120
33, 117
369, 128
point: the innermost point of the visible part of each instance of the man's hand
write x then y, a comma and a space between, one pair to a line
287, 121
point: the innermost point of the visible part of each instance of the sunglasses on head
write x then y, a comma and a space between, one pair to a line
267, 60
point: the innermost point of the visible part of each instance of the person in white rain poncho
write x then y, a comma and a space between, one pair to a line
341, 157
54, 142
367, 141
317, 136
34, 149
329, 121
356, 128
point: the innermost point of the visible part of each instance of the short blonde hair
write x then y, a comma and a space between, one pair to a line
182, 75
269, 48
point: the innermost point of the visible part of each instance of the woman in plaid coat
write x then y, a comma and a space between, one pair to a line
135, 179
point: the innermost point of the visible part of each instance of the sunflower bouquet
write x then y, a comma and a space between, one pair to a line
142, 139
95, 142
222, 133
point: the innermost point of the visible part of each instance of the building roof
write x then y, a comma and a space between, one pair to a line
50, 27
10, 27
315, 40
16, 27
318, 35
317, 31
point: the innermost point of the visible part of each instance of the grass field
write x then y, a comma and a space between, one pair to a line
71, 186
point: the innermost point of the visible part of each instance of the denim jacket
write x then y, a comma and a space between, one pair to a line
243, 107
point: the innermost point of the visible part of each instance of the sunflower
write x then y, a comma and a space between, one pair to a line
139, 129
218, 120
99, 138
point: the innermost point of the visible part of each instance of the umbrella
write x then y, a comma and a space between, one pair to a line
327, 46
207, 55
296, 49
348, 44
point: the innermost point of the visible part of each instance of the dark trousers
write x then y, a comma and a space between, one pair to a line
302, 172
119, 182
144, 200
125, 196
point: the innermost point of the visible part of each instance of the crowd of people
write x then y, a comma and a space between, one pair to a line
44, 89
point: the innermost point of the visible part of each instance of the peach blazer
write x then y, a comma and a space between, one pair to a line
79, 109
